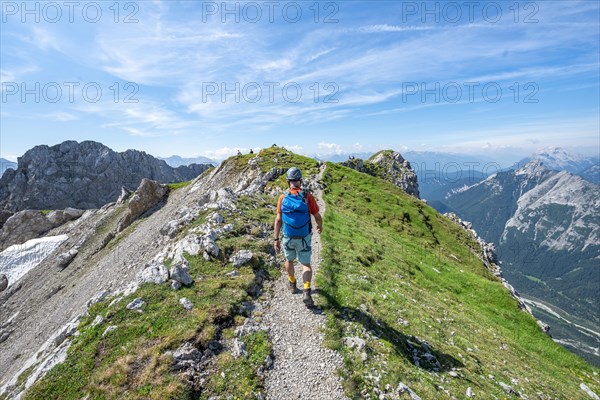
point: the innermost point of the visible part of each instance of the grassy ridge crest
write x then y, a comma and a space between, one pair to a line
406, 281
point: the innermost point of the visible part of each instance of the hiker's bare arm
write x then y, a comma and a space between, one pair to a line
319, 221
276, 230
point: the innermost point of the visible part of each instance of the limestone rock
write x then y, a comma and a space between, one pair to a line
153, 272
239, 349
147, 195
176, 285
389, 165
136, 304
508, 389
84, 175
186, 303
241, 257
186, 356
3, 282
588, 391
355, 342
216, 218
63, 260
108, 330
180, 274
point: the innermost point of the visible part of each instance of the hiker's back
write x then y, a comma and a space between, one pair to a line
295, 214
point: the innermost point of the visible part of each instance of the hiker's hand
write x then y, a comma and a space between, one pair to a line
319, 229
277, 246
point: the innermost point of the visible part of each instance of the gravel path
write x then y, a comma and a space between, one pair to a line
303, 367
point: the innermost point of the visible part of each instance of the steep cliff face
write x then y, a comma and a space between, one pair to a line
389, 165
81, 175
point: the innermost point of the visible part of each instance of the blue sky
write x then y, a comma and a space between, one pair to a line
498, 79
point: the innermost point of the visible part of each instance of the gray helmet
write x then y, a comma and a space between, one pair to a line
293, 174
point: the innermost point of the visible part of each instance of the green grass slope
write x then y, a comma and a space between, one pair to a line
405, 280
395, 274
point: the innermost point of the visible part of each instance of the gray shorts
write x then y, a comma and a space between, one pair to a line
297, 248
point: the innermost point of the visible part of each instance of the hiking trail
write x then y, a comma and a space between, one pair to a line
303, 368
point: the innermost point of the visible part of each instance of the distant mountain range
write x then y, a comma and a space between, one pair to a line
82, 175
547, 228
558, 159
440, 181
177, 161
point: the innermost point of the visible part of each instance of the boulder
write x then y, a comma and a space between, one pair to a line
241, 257
176, 285
186, 303
588, 391
136, 304
179, 273
186, 356
153, 272
63, 260
216, 218
147, 195
239, 349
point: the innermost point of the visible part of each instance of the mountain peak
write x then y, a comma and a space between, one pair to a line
388, 165
532, 168
559, 159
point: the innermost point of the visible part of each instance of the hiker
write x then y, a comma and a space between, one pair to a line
294, 209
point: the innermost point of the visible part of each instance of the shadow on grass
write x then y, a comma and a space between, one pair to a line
417, 351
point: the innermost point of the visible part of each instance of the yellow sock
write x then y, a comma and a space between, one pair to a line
306, 285
292, 279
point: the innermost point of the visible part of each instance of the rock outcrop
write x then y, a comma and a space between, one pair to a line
30, 224
389, 165
82, 175
148, 195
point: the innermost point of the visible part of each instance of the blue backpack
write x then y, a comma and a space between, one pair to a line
295, 214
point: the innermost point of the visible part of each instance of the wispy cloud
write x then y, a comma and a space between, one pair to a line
391, 28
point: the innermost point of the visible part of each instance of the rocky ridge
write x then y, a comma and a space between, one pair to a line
121, 264
82, 175
389, 165
140, 256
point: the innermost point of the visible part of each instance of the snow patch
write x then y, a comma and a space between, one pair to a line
18, 259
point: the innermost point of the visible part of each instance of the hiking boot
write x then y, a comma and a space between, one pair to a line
293, 288
307, 298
